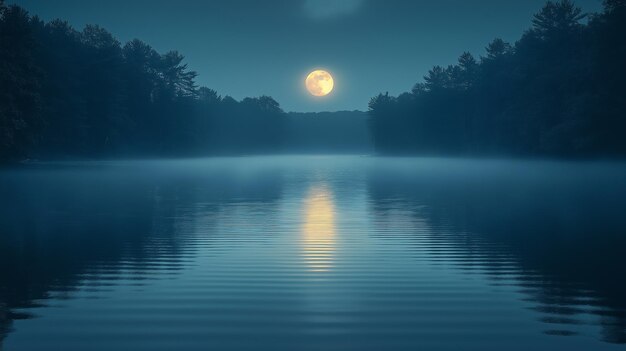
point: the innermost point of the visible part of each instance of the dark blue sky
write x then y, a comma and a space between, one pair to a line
250, 48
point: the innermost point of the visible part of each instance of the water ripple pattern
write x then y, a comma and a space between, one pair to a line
313, 253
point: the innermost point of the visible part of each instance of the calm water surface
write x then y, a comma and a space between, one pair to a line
313, 253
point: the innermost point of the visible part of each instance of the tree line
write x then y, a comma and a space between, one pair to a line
339, 132
65, 92
557, 91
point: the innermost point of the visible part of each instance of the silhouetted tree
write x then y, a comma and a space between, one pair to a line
468, 71
19, 84
558, 91
436, 79
67, 93
178, 80
497, 49
557, 18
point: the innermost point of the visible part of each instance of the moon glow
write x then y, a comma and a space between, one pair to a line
319, 83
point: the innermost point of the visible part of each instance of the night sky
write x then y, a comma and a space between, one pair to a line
251, 48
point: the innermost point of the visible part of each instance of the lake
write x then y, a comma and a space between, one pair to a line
313, 253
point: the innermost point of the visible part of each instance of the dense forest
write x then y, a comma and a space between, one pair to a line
69, 93
558, 91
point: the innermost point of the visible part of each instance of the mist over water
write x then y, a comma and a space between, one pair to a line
313, 253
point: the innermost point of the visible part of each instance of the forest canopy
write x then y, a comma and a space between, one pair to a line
65, 92
557, 91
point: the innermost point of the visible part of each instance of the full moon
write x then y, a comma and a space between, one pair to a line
319, 83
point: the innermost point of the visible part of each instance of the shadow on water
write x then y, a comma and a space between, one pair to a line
94, 226
553, 230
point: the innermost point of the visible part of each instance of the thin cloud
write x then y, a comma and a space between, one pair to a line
322, 9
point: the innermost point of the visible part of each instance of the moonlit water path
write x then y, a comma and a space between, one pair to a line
313, 253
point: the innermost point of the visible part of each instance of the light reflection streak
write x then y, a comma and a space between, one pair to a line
318, 229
